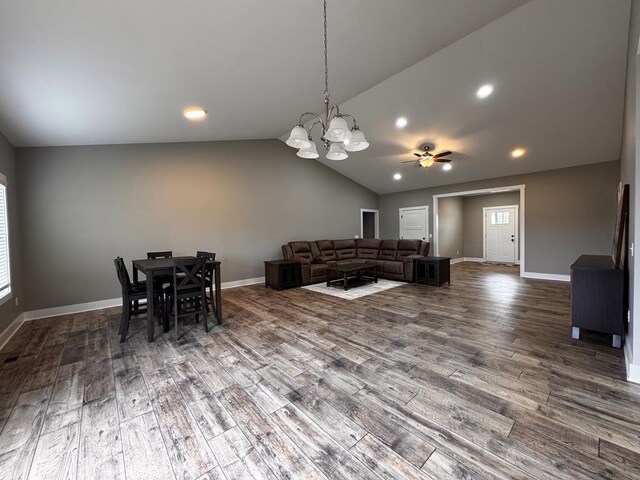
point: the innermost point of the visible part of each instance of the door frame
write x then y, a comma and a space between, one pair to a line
376, 221
426, 207
497, 189
484, 230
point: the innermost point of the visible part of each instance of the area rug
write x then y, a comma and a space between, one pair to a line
356, 291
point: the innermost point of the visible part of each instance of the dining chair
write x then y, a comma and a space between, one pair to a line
208, 277
154, 255
161, 280
187, 296
132, 293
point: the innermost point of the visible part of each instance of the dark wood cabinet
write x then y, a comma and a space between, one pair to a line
432, 270
597, 297
281, 274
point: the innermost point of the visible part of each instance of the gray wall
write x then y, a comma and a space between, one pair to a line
451, 227
628, 157
9, 311
473, 218
83, 206
569, 212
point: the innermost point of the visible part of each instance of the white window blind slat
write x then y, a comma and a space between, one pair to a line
5, 274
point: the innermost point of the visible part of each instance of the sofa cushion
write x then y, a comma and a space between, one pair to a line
345, 249
326, 253
301, 251
367, 247
393, 267
388, 250
407, 247
350, 261
318, 270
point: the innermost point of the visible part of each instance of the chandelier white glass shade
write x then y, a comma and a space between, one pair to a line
357, 142
337, 137
299, 138
308, 152
336, 152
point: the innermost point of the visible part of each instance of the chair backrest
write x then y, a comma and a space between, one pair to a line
165, 254
123, 275
189, 274
207, 255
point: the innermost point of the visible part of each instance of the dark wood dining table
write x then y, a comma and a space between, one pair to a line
164, 266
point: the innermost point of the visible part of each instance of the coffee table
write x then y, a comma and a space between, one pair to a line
344, 271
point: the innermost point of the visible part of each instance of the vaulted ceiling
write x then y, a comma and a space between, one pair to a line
558, 70
105, 72
98, 72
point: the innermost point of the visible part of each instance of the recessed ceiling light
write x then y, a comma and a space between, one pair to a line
484, 91
194, 113
518, 152
401, 122
397, 176
446, 167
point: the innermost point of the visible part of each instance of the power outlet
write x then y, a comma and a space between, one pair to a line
457, 252
17, 301
628, 317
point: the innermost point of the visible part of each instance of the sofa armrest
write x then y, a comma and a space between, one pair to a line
287, 253
411, 258
408, 267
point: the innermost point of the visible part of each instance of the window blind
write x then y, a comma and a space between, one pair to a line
5, 275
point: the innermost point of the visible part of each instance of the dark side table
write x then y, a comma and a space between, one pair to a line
281, 274
432, 270
598, 297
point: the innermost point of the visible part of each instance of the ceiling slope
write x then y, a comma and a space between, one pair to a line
98, 72
558, 69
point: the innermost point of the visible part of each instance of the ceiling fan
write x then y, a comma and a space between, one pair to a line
426, 159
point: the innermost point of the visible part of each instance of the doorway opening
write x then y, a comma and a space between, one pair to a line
484, 226
369, 223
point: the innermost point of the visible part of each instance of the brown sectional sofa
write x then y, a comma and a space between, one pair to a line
394, 257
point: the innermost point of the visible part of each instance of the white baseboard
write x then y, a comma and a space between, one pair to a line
547, 276
68, 309
113, 302
633, 370
241, 283
10, 330
473, 259
466, 259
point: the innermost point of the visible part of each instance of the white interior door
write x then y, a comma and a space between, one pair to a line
414, 223
501, 234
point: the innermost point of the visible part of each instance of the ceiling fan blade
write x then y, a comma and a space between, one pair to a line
410, 161
419, 154
442, 154
442, 160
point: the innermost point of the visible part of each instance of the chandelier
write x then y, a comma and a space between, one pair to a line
337, 137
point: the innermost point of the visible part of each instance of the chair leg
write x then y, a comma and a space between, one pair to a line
124, 322
204, 314
175, 312
121, 320
213, 307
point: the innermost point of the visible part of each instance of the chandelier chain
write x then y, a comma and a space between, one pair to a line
326, 62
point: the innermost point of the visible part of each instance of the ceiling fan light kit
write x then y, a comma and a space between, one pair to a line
426, 158
337, 137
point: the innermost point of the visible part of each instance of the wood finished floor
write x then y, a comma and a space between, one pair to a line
477, 380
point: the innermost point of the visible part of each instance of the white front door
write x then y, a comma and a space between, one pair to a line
414, 223
501, 234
